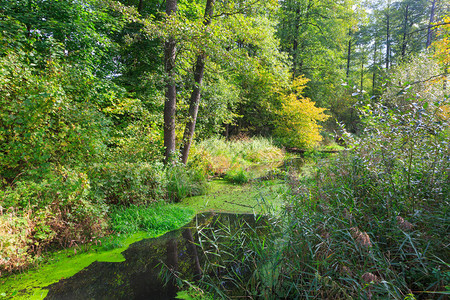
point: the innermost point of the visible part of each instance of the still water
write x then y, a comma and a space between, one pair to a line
138, 276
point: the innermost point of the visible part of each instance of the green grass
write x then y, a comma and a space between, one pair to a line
156, 218
239, 176
218, 155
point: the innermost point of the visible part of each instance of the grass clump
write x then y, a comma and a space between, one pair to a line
238, 176
155, 218
185, 181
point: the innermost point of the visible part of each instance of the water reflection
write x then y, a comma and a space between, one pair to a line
137, 277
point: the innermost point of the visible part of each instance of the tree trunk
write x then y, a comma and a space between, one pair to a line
374, 75
362, 77
405, 32
295, 43
171, 89
140, 6
196, 92
349, 52
388, 42
430, 24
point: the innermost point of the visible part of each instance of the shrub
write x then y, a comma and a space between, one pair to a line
38, 213
128, 183
297, 122
45, 120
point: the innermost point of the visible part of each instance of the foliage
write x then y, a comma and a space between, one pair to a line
237, 175
42, 121
122, 183
51, 212
371, 223
442, 45
296, 125
77, 32
315, 34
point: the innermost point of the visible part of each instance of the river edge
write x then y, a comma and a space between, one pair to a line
252, 198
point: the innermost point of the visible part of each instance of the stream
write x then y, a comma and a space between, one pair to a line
138, 276
135, 273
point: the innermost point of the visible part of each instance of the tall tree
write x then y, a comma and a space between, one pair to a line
405, 31
388, 35
196, 92
171, 89
430, 24
349, 52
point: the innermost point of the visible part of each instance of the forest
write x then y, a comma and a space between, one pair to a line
118, 118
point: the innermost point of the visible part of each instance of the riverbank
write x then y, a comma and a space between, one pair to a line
222, 196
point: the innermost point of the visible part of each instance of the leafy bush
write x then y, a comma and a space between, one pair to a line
38, 213
297, 122
44, 119
128, 183
237, 175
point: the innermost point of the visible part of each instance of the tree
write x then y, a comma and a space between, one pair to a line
195, 95
430, 24
171, 89
296, 124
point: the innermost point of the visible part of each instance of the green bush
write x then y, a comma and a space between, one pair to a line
49, 116
57, 210
128, 183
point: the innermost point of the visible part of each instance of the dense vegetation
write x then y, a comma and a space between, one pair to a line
110, 108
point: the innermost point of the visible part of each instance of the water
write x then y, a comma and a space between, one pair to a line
138, 276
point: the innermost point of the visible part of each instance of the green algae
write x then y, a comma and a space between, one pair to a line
249, 198
66, 263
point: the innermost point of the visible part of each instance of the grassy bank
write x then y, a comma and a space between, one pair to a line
231, 198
